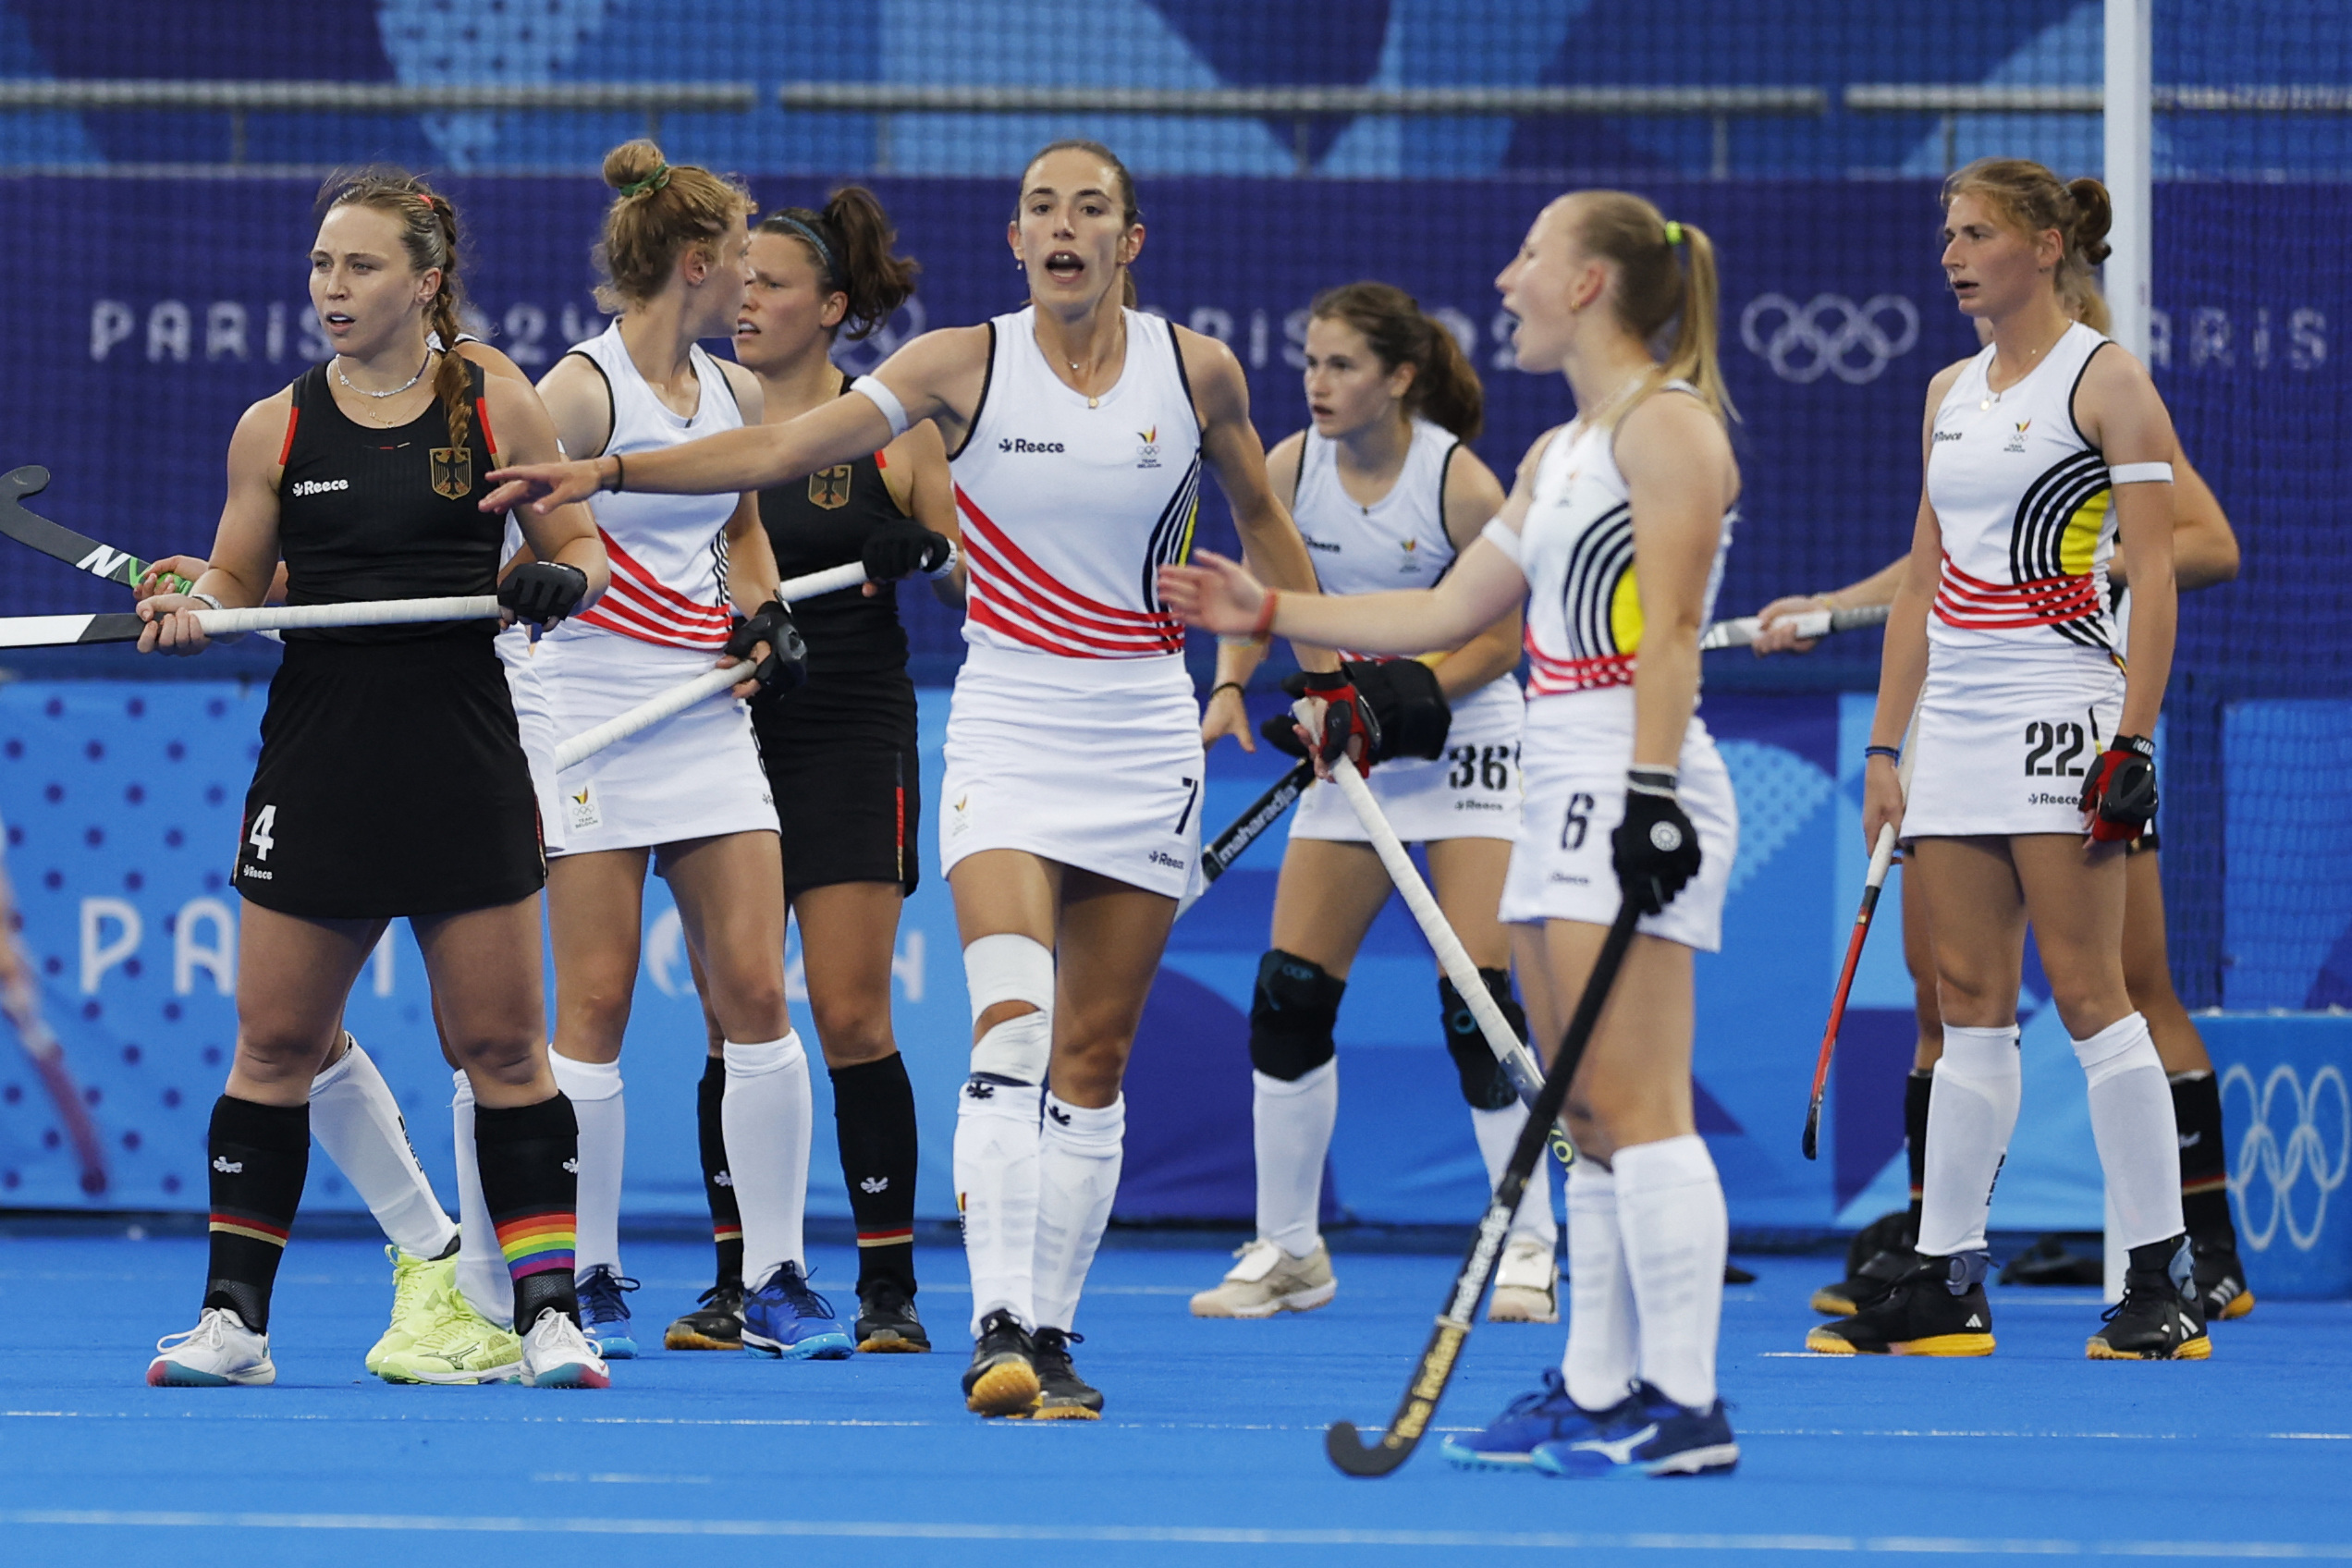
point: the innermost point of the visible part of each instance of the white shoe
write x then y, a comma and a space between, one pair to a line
1527, 1284
220, 1352
1267, 1281
555, 1355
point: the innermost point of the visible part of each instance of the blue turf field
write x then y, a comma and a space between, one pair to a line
1211, 1452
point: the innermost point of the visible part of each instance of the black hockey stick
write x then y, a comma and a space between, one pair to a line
1249, 828
60, 543
1440, 1356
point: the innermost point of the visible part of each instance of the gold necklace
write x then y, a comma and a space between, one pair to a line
1093, 400
1991, 397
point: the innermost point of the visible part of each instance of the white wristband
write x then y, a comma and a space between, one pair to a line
1503, 537
204, 599
2141, 473
945, 568
886, 401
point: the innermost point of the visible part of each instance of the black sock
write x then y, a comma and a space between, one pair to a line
719, 1187
530, 1159
2204, 1158
1916, 1090
873, 1114
260, 1156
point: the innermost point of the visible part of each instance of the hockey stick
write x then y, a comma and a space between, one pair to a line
74, 630
1881, 857
579, 748
1247, 829
23, 1007
1443, 1352
60, 543
1518, 1061
1741, 630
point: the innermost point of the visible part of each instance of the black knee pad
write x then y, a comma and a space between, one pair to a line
1483, 1083
1290, 1016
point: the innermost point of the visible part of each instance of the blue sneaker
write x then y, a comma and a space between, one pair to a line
604, 1317
787, 1319
1544, 1416
1648, 1435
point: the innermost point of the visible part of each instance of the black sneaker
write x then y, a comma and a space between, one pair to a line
2158, 1318
1877, 1256
1938, 1307
2222, 1293
2052, 1261
886, 1321
717, 1324
1000, 1380
1063, 1396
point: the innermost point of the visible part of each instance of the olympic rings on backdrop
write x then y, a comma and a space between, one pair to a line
1830, 334
2280, 1163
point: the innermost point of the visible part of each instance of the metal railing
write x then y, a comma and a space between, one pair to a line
1952, 100
1304, 106
239, 99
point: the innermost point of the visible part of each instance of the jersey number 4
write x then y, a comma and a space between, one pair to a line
260, 837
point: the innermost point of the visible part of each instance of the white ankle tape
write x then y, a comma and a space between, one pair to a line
757, 1059
1016, 1051
2120, 1047
585, 1080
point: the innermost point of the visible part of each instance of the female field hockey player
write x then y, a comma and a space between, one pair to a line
840, 751
1387, 494
2045, 454
1614, 538
391, 781
1076, 429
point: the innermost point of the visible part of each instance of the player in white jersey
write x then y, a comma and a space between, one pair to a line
2044, 453
1076, 429
687, 794
1614, 538
1387, 494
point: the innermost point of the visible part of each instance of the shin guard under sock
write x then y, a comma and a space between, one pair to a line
719, 1187
1498, 1135
530, 1157
1917, 1089
873, 1122
1603, 1351
767, 1113
602, 1118
1972, 1111
483, 1278
1675, 1230
260, 1156
2204, 1158
1291, 1124
1080, 1150
2131, 1121
996, 1177
358, 1122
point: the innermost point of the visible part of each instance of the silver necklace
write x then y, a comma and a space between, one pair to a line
397, 390
1588, 419
1991, 397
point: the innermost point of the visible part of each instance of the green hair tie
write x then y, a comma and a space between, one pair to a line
653, 181
1673, 233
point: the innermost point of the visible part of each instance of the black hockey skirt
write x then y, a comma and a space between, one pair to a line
843, 766
391, 783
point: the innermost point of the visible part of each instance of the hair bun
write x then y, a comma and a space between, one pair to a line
2095, 214
632, 162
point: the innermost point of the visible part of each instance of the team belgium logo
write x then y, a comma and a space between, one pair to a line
453, 471
829, 487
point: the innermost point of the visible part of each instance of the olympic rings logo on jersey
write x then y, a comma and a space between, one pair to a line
2283, 1162
1830, 334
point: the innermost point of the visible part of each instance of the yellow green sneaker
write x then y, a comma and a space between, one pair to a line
460, 1346
415, 1282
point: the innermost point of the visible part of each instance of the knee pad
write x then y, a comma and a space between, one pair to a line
1012, 968
1483, 1083
760, 1058
1292, 1015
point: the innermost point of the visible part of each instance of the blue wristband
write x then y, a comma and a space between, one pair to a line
1892, 753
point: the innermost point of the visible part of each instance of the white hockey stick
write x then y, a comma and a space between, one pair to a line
69, 631
1518, 1062
579, 748
1741, 630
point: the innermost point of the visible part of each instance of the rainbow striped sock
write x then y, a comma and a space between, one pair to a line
537, 1243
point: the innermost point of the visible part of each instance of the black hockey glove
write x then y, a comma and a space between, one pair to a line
1655, 849
1408, 705
900, 549
786, 667
542, 591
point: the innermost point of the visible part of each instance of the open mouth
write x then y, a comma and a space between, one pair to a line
1318, 411
1065, 265
746, 329
337, 318
1964, 287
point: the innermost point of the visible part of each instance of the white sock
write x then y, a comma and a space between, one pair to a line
996, 1178
1971, 1113
1498, 1135
2131, 1121
483, 1278
1079, 1154
1290, 1126
765, 1114
594, 1088
1675, 1230
358, 1122
1604, 1343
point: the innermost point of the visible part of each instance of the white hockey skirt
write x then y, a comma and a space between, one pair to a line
2006, 737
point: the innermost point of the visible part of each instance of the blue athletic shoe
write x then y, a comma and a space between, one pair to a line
1544, 1416
785, 1318
604, 1317
1648, 1435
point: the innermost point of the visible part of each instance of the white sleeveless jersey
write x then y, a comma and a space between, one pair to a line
2022, 502
1400, 541
667, 553
1070, 506
1576, 552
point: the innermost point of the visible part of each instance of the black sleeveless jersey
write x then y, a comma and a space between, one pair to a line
385, 514
822, 521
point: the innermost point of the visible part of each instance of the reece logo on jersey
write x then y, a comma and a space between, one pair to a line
1015, 444
318, 487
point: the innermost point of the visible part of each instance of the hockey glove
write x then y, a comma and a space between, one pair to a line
786, 667
542, 591
1655, 849
2119, 797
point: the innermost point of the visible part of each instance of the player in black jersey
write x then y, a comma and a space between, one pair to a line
391, 781
840, 751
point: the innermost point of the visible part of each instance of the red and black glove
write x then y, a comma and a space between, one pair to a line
1349, 730
2119, 798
